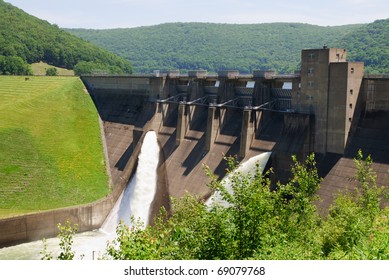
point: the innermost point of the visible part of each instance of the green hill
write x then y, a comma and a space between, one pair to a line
33, 40
214, 47
370, 44
51, 152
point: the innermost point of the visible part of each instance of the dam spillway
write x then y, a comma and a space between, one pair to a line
200, 118
191, 132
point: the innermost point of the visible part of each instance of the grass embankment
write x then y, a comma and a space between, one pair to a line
39, 69
51, 153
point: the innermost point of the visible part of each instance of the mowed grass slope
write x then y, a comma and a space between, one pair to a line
39, 69
51, 152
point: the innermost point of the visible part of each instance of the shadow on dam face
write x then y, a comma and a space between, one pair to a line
126, 117
127, 114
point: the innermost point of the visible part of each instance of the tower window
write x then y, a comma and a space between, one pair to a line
311, 84
311, 71
352, 70
351, 105
351, 91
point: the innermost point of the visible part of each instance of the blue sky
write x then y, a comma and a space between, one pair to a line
102, 14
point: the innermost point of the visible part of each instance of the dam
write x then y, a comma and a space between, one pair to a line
329, 107
199, 119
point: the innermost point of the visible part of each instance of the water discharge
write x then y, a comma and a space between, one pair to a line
249, 166
134, 201
139, 194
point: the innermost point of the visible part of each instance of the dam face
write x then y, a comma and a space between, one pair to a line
199, 119
328, 108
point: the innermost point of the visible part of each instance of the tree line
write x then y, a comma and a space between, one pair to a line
243, 47
370, 45
33, 40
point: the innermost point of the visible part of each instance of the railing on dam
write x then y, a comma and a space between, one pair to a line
227, 90
276, 105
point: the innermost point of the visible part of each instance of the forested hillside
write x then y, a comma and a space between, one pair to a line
27, 39
370, 44
214, 47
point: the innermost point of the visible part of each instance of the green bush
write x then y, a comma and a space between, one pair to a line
262, 222
51, 71
14, 65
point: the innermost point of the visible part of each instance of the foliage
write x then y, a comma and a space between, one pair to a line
357, 227
14, 65
66, 233
215, 47
370, 45
39, 69
262, 222
89, 68
254, 221
34, 40
52, 71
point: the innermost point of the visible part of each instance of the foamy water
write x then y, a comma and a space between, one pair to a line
249, 166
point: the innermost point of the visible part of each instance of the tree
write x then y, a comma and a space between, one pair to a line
34, 40
66, 233
52, 71
357, 227
93, 68
255, 218
14, 65
262, 221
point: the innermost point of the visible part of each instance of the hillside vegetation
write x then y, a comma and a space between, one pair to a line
33, 40
40, 69
243, 47
370, 44
214, 47
51, 152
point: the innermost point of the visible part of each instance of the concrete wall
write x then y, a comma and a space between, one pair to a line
344, 87
43, 225
376, 91
329, 90
148, 86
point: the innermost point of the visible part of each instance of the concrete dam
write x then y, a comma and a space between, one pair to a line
330, 107
199, 119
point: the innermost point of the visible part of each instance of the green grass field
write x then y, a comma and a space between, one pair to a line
39, 69
51, 152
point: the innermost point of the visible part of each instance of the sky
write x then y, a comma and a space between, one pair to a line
104, 14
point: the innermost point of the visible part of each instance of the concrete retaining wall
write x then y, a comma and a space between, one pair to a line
41, 225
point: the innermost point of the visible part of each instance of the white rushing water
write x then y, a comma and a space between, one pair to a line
139, 194
134, 201
249, 166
